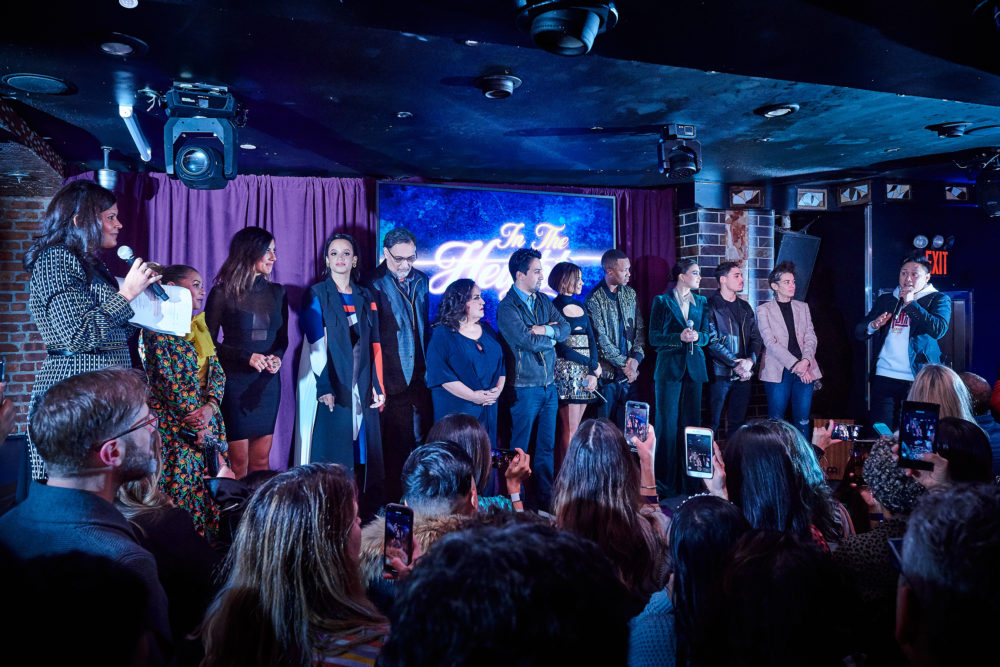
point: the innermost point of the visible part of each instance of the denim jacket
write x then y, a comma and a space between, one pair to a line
533, 356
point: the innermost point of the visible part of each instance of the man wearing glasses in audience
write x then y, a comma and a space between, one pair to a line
95, 432
401, 296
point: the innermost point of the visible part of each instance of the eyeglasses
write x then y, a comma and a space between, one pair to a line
152, 419
399, 260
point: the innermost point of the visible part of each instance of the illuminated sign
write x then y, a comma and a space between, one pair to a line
939, 262
471, 233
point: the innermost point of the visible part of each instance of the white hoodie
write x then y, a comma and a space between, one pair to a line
894, 359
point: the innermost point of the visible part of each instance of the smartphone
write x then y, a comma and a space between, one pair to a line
883, 430
846, 431
698, 451
636, 421
398, 540
917, 429
502, 458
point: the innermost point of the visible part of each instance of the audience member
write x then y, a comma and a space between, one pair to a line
761, 480
677, 626
293, 593
530, 595
949, 592
598, 494
866, 557
967, 449
939, 384
468, 432
94, 432
980, 393
773, 586
186, 563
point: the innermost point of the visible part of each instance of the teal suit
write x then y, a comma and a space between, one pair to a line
679, 375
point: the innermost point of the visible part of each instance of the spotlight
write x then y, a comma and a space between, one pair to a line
141, 144
107, 177
566, 27
199, 138
679, 154
920, 241
937, 242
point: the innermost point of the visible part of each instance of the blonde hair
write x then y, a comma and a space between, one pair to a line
939, 384
291, 580
144, 494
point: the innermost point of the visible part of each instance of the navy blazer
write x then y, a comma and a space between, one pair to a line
929, 315
674, 357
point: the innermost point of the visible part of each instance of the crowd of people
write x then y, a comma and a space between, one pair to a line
540, 532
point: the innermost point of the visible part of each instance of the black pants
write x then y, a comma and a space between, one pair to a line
739, 399
616, 395
406, 419
887, 399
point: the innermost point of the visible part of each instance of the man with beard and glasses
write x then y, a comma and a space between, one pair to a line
95, 432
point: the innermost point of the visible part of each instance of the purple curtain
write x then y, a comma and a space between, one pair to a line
171, 224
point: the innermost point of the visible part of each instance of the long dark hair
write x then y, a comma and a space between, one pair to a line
337, 236
702, 532
467, 432
175, 273
245, 249
597, 495
452, 307
83, 200
289, 576
762, 481
682, 266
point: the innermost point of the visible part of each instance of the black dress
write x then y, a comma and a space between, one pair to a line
259, 324
576, 357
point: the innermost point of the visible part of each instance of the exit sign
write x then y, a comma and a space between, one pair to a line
939, 262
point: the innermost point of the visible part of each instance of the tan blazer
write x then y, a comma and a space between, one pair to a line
775, 335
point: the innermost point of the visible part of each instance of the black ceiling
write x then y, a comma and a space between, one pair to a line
323, 83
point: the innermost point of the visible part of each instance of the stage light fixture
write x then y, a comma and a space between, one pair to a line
937, 242
565, 27
679, 155
920, 241
107, 177
141, 144
200, 137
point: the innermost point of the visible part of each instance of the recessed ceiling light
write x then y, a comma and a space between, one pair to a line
129, 4
596, 128
39, 83
120, 44
404, 114
776, 110
471, 42
891, 150
249, 147
950, 130
764, 139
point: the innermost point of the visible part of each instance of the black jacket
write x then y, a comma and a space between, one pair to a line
732, 339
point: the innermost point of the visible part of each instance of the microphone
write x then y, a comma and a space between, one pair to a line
690, 324
125, 253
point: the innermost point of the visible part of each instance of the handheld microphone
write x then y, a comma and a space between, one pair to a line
690, 325
125, 253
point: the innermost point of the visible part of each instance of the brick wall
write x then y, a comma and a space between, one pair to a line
20, 344
704, 234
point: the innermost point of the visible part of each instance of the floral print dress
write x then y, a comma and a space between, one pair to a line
176, 388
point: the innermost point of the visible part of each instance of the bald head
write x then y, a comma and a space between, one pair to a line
980, 390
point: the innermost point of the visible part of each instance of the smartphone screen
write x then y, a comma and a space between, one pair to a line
398, 535
917, 429
846, 431
698, 451
636, 420
502, 458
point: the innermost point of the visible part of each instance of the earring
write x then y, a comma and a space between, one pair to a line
355, 265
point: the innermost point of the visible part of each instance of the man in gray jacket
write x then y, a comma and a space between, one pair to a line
531, 326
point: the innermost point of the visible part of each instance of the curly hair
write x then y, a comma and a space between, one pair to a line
451, 312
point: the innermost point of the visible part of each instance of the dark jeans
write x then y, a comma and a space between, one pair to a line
617, 394
678, 404
739, 400
533, 429
406, 419
887, 399
790, 389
